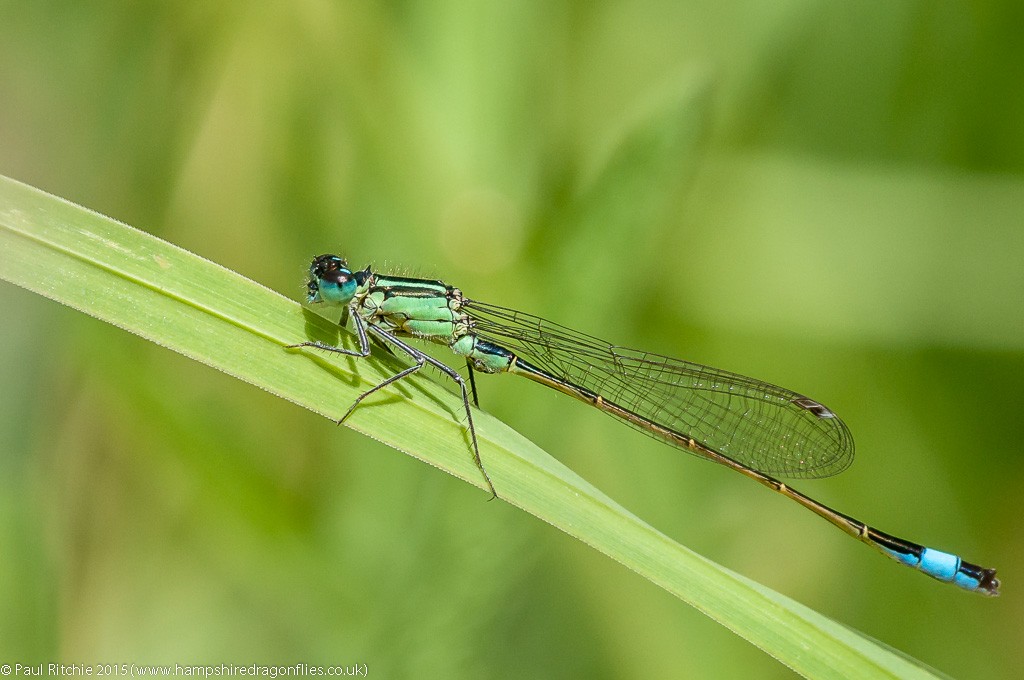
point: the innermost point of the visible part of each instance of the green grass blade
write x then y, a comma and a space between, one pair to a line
197, 308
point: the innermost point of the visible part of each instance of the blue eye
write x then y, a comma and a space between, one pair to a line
337, 291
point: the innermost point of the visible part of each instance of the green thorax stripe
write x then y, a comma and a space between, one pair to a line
409, 287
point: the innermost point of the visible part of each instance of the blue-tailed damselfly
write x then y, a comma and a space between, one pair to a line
750, 426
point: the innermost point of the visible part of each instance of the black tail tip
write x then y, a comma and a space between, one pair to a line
988, 583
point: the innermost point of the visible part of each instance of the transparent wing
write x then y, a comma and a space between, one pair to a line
763, 426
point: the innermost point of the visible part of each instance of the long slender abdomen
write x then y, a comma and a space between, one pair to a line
940, 565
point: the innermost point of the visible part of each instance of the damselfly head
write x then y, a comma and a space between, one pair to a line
331, 281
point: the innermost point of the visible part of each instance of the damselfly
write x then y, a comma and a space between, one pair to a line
750, 426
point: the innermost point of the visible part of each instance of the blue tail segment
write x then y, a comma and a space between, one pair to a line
943, 566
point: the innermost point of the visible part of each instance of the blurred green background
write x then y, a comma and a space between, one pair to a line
829, 198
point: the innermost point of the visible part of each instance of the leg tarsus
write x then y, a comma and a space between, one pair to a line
329, 348
472, 429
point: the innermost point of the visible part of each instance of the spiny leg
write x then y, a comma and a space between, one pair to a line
364, 351
472, 383
422, 359
395, 378
364, 344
